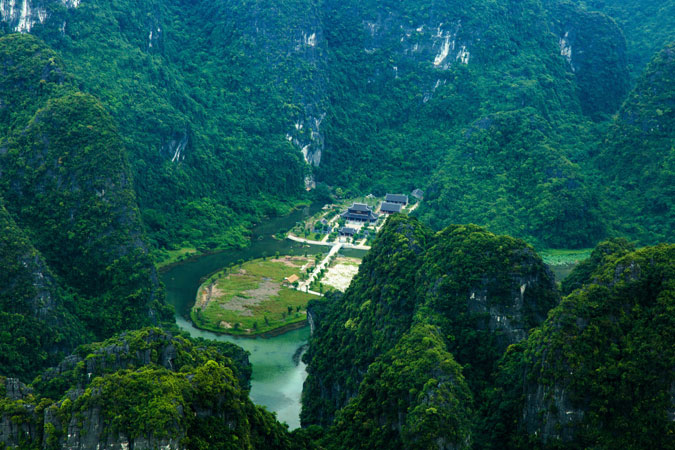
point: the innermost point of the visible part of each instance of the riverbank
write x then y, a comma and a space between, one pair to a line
254, 298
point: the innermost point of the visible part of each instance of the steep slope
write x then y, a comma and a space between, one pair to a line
372, 315
480, 292
66, 180
413, 397
144, 390
221, 105
407, 75
69, 208
604, 252
599, 372
637, 161
37, 321
595, 50
648, 25
202, 112
506, 173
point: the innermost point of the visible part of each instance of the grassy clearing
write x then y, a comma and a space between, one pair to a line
562, 261
557, 257
168, 257
250, 299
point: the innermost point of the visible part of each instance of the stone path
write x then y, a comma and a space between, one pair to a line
304, 286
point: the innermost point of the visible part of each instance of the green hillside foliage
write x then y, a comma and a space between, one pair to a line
195, 84
463, 291
394, 112
636, 162
37, 320
375, 311
598, 56
215, 100
594, 370
180, 392
648, 26
506, 172
601, 255
75, 259
67, 181
413, 397
599, 371
32, 73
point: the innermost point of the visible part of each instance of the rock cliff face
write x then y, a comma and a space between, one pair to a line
599, 371
595, 49
22, 15
483, 292
37, 319
181, 392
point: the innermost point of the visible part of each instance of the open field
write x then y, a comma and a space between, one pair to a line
341, 272
562, 261
252, 299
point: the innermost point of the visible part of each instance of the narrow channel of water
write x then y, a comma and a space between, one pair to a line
276, 382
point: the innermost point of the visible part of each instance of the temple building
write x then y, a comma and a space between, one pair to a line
396, 198
359, 212
390, 208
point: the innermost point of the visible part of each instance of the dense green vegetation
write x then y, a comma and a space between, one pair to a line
507, 172
204, 125
596, 373
144, 387
74, 252
37, 320
252, 298
417, 380
636, 162
468, 291
648, 25
135, 132
214, 102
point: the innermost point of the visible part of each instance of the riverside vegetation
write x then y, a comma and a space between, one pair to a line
252, 298
134, 131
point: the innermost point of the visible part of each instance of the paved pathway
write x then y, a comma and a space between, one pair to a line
327, 244
304, 286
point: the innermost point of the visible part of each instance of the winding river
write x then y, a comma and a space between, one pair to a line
277, 378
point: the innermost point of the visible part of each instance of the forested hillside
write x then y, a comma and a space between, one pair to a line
227, 109
648, 26
74, 247
595, 371
133, 131
636, 161
475, 292
143, 389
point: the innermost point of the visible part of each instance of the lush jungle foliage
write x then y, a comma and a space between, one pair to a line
467, 291
129, 127
636, 162
597, 373
74, 259
38, 323
144, 388
648, 26
215, 100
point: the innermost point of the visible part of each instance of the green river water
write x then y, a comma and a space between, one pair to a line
277, 377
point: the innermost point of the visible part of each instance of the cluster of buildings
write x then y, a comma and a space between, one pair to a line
360, 212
